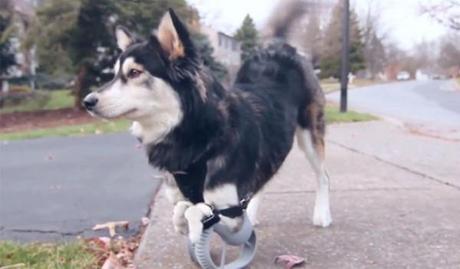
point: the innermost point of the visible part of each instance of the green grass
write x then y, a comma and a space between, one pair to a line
332, 85
43, 100
60, 99
99, 127
333, 115
46, 256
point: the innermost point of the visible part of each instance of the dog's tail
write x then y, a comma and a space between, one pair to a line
283, 17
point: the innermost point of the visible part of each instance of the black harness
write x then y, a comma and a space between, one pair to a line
230, 212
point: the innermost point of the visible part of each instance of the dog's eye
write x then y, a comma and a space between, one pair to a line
134, 73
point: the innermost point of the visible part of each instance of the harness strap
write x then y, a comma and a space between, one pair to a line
230, 212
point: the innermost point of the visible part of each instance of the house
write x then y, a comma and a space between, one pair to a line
24, 12
227, 49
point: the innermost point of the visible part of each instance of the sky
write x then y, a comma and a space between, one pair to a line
401, 19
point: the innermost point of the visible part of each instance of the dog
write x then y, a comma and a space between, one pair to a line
218, 145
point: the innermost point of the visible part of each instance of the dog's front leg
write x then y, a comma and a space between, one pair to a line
222, 197
175, 197
219, 197
194, 215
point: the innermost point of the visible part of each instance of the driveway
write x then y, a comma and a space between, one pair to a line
58, 188
430, 107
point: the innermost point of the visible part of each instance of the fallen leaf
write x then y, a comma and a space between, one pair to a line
18, 265
112, 263
105, 240
145, 221
111, 226
289, 261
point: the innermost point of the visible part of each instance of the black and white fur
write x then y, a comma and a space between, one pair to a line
219, 145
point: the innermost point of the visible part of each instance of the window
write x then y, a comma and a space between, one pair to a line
234, 45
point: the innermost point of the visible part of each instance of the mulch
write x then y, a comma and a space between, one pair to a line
23, 121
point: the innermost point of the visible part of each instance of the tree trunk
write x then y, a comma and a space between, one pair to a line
1, 93
81, 87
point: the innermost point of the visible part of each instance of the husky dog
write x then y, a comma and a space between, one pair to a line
220, 145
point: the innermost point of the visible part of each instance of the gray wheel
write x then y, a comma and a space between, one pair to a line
200, 252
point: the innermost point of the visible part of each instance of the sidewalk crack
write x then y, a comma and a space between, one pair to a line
407, 169
47, 231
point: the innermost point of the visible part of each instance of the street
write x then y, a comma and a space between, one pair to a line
431, 107
58, 188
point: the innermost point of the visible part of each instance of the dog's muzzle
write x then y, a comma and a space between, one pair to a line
90, 102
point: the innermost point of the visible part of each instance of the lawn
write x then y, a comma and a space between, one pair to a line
332, 85
102, 127
60, 99
333, 115
98, 127
43, 100
63, 99
73, 255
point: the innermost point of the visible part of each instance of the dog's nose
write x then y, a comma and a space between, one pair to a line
90, 102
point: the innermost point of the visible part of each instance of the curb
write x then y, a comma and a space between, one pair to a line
149, 215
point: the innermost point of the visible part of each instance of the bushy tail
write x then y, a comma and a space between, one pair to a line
283, 17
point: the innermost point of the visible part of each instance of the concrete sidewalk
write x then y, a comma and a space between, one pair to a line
391, 207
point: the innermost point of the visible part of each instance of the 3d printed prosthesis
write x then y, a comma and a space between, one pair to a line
245, 237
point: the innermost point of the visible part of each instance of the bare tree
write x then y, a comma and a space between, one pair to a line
425, 54
374, 37
449, 52
312, 35
446, 12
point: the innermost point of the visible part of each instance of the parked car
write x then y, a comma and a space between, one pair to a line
403, 75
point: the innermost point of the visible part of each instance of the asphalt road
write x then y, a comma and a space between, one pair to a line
431, 106
58, 188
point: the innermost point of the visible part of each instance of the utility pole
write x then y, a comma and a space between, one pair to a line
345, 55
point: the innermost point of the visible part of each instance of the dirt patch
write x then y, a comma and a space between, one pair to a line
21, 121
447, 135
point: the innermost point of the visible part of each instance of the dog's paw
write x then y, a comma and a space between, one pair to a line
322, 216
179, 221
194, 214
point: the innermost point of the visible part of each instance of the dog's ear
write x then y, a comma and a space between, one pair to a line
124, 38
173, 36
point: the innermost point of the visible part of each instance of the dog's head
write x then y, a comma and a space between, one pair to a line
145, 74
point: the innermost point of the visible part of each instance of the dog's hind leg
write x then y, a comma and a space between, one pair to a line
311, 140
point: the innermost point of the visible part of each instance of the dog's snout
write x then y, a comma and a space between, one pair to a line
90, 102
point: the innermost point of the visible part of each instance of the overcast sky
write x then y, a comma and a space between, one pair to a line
401, 19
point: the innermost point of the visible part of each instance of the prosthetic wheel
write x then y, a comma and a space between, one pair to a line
200, 252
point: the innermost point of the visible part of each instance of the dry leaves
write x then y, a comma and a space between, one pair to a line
115, 252
111, 226
289, 261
